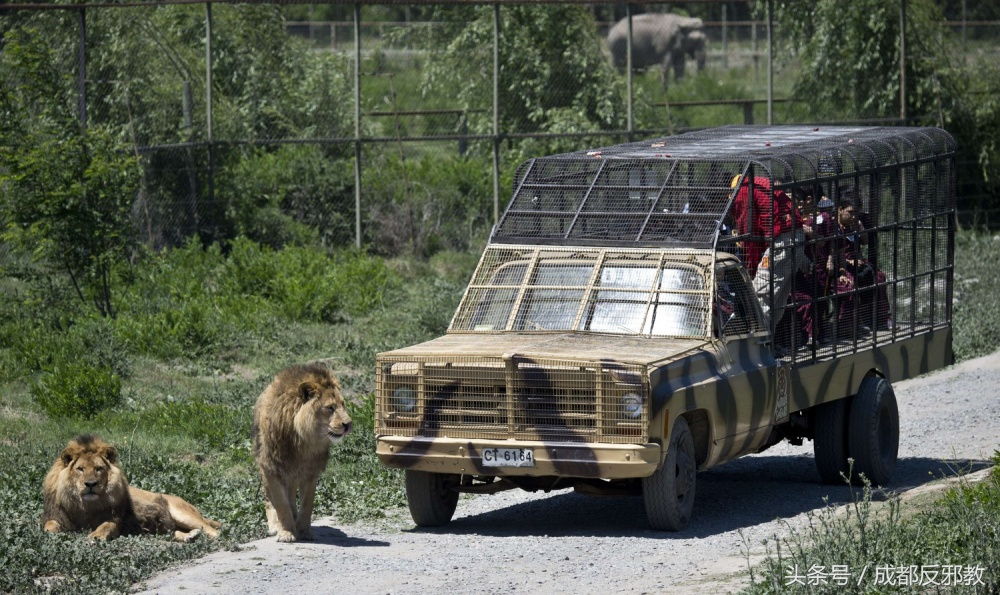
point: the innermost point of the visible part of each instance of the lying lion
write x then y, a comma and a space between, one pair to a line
85, 490
295, 420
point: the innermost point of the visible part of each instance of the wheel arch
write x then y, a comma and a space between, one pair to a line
700, 425
874, 373
855, 386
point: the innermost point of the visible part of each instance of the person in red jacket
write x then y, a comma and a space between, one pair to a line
774, 226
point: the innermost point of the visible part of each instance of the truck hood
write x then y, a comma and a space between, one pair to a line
565, 346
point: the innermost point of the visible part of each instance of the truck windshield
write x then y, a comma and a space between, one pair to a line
598, 292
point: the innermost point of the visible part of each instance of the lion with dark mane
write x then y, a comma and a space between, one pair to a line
86, 490
295, 420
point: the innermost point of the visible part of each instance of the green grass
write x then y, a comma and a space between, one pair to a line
843, 548
977, 295
198, 337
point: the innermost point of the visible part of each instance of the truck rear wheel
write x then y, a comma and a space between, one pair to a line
668, 494
830, 442
874, 430
431, 500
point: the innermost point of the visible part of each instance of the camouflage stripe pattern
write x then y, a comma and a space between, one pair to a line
612, 299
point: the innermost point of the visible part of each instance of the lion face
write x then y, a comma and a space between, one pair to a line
90, 467
89, 474
323, 414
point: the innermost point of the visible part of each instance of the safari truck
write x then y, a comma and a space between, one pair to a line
614, 338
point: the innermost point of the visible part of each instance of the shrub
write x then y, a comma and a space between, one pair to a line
292, 195
363, 282
425, 205
77, 391
977, 295
35, 347
66, 196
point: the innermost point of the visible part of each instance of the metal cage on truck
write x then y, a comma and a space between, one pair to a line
677, 192
627, 325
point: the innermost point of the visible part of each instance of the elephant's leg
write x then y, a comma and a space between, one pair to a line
677, 59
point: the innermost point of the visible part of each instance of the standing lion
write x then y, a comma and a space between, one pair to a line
85, 490
295, 420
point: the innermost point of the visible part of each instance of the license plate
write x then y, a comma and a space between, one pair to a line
508, 457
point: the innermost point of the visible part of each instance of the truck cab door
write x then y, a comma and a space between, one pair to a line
751, 372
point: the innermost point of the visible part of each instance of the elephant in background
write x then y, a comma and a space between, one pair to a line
692, 47
659, 39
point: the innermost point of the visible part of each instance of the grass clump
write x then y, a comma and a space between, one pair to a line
171, 381
976, 316
871, 546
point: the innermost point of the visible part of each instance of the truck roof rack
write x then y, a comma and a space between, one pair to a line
677, 190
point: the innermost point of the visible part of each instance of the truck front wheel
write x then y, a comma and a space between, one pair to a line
430, 496
668, 494
874, 430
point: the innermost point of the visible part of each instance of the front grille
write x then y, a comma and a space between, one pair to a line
514, 398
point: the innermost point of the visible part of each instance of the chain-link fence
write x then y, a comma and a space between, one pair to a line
399, 127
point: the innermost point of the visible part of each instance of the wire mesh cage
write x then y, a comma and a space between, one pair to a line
630, 292
847, 232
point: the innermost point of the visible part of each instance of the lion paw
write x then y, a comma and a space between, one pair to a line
187, 537
286, 537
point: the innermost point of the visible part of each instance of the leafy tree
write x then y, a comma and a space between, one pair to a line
849, 55
146, 90
267, 86
553, 74
65, 194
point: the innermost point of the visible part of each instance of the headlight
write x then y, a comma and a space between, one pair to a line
632, 405
626, 377
404, 399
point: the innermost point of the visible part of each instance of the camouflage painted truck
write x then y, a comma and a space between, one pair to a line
611, 340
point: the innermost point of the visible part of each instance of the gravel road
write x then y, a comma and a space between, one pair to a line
517, 542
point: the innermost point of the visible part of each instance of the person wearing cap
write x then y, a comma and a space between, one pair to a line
774, 226
820, 228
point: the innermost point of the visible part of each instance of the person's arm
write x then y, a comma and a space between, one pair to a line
859, 230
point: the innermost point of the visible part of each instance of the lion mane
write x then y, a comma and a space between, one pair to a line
86, 490
295, 420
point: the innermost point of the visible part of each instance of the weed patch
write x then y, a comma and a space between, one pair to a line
868, 546
76, 390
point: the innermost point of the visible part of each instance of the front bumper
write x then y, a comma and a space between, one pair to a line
551, 459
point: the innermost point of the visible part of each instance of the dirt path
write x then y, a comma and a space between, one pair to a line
516, 542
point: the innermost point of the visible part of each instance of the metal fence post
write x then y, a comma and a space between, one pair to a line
496, 113
725, 37
357, 124
81, 57
628, 71
770, 62
208, 119
902, 61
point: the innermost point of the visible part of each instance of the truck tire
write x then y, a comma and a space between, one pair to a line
830, 442
432, 503
668, 494
874, 431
